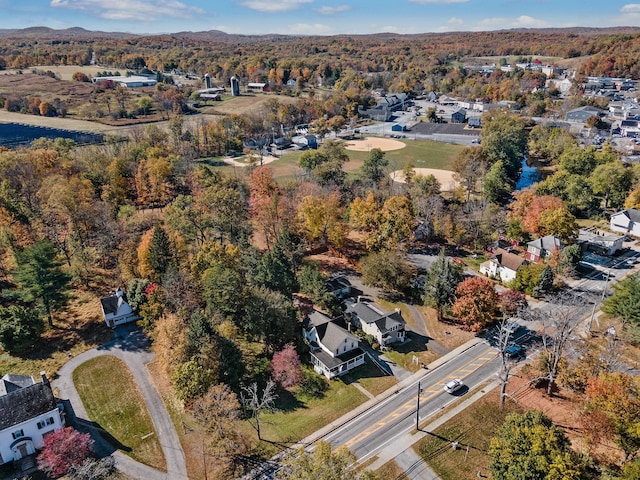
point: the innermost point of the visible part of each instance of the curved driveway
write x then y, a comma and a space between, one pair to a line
132, 347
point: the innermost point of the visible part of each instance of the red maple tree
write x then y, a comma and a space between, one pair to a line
63, 449
285, 367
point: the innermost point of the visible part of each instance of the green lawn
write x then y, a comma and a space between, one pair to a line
472, 427
114, 402
371, 378
298, 417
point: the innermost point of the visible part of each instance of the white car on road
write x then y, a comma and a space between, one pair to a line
453, 386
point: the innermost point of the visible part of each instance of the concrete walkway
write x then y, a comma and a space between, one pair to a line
132, 347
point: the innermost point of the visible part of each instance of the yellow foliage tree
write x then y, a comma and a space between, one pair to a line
144, 266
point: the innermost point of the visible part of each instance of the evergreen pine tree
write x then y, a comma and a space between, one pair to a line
545, 282
41, 278
160, 252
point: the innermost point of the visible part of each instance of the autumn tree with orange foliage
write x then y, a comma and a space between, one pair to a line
477, 303
528, 209
268, 205
612, 408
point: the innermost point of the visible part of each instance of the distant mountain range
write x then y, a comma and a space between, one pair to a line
217, 35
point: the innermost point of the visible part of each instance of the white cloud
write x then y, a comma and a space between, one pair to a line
139, 10
274, 5
310, 29
523, 21
326, 10
441, 2
631, 8
455, 21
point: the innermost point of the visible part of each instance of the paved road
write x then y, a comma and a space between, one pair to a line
131, 346
382, 424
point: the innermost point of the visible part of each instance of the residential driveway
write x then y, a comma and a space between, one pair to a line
132, 347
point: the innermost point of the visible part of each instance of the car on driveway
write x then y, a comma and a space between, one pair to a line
453, 386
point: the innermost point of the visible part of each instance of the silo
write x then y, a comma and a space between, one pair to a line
235, 86
207, 80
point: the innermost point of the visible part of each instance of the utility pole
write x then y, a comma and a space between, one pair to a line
418, 408
595, 303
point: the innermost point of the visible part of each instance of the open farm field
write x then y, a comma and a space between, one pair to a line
65, 72
245, 103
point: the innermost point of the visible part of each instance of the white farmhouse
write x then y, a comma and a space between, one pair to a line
116, 310
334, 350
28, 412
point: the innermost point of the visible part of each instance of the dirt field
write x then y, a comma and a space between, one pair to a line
245, 103
445, 177
367, 143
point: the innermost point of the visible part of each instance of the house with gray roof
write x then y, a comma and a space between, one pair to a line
542, 248
599, 241
386, 327
582, 114
115, 309
383, 111
28, 412
334, 350
627, 222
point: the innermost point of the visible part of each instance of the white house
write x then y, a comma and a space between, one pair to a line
386, 327
116, 310
334, 350
626, 221
28, 412
602, 242
503, 265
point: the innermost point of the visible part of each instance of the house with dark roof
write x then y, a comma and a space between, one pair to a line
542, 248
503, 265
28, 412
627, 222
386, 327
115, 309
339, 285
383, 111
459, 116
334, 350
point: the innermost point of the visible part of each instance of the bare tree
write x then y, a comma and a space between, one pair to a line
503, 338
256, 403
559, 321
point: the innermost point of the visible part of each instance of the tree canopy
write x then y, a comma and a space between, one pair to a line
528, 446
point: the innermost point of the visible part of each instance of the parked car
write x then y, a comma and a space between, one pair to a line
514, 351
453, 386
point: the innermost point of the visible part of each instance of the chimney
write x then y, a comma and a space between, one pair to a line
43, 375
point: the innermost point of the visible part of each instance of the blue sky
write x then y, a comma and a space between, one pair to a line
309, 17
